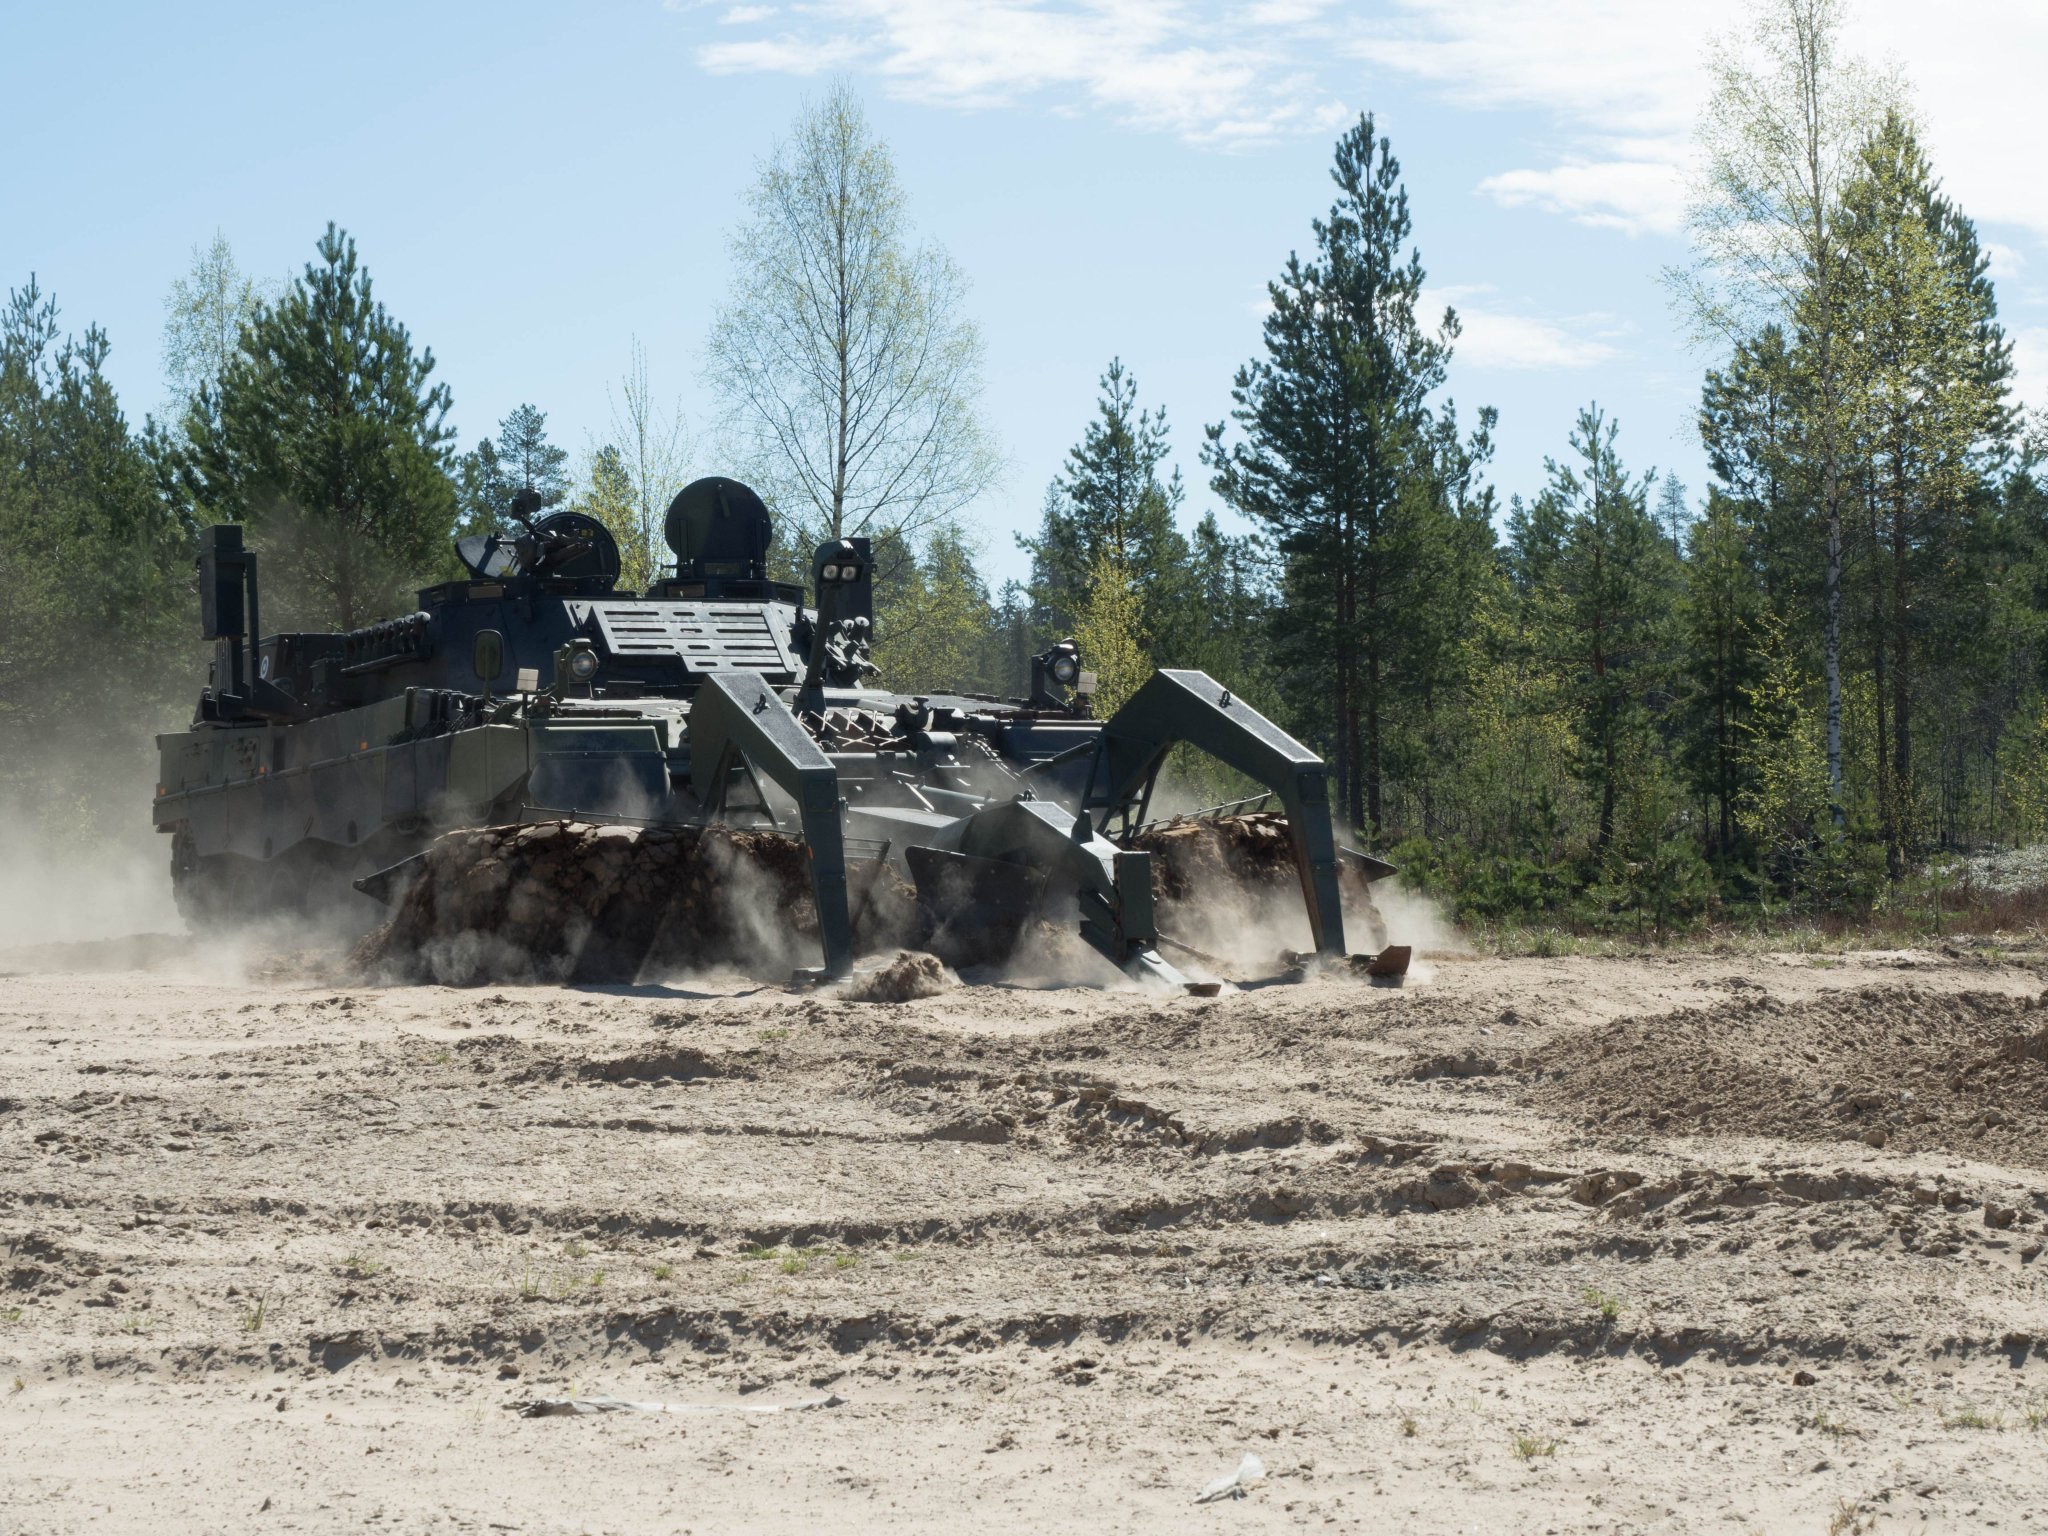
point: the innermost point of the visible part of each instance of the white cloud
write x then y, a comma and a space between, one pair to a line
1616, 85
1629, 195
1621, 83
1223, 78
2005, 261
2030, 366
1501, 340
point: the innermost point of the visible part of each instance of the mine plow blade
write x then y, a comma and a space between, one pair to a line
1389, 963
988, 870
1176, 706
738, 719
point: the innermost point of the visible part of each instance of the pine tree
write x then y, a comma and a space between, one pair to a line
483, 491
1109, 499
1929, 368
529, 461
1673, 516
1335, 421
1718, 617
1604, 601
1751, 425
521, 459
326, 435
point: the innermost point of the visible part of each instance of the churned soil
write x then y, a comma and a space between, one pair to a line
1676, 1243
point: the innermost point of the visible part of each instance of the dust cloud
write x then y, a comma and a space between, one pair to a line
60, 886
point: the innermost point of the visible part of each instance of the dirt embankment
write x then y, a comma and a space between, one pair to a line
1548, 1244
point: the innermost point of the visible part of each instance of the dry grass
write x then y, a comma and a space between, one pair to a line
1968, 917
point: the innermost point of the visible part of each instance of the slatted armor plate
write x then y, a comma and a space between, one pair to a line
705, 637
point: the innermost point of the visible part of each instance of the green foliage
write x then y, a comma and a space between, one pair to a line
608, 495
95, 587
325, 435
1110, 631
936, 630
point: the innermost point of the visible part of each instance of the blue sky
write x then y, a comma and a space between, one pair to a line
533, 186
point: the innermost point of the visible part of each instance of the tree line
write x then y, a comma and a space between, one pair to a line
1612, 702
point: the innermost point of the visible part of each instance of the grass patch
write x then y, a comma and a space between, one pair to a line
575, 1249
664, 1271
1606, 1303
361, 1266
906, 1255
845, 1261
1827, 1424
771, 1034
10, 1314
795, 1264
1529, 1447
252, 1318
1972, 1418
1849, 1520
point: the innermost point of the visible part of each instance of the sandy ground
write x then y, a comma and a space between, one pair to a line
1672, 1244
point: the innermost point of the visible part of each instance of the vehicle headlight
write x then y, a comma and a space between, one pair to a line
831, 573
583, 665
1065, 670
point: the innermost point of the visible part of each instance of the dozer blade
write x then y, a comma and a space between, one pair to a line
1111, 886
1391, 961
977, 907
389, 883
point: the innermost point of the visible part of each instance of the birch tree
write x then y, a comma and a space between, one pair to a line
1779, 139
631, 480
203, 316
843, 357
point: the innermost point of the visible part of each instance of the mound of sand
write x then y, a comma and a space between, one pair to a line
1881, 1065
911, 975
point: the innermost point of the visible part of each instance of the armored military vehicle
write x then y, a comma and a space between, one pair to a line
536, 692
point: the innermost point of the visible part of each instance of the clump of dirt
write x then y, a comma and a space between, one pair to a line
911, 975
567, 901
1224, 877
1884, 1066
